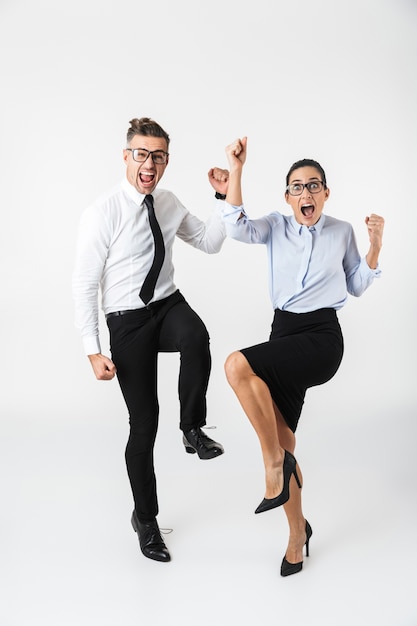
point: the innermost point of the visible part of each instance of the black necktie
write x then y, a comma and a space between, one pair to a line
148, 287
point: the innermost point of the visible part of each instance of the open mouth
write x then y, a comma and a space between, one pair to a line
307, 210
146, 178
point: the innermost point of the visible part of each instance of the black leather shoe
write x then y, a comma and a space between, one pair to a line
289, 468
150, 540
195, 440
293, 568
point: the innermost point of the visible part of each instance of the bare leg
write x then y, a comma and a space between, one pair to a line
293, 508
255, 398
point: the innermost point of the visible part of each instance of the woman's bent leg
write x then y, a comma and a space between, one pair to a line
255, 399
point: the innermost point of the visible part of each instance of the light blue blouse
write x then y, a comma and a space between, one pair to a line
309, 268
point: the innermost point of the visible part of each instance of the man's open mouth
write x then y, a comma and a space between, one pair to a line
307, 210
146, 178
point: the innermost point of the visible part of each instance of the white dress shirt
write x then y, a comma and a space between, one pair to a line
115, 250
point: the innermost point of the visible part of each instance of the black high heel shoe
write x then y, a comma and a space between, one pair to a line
289, 468
293, 568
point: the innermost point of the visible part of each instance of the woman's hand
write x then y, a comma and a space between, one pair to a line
375, 224
236, 153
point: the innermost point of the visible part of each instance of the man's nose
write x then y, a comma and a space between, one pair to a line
148, 158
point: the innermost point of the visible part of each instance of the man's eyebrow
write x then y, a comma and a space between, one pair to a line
146, 150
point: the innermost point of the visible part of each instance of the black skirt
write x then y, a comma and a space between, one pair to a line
304, 350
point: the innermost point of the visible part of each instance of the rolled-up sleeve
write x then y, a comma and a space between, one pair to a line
240, 227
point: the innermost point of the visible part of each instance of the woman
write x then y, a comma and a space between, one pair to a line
313, 264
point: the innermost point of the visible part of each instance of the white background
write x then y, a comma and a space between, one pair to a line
326, 80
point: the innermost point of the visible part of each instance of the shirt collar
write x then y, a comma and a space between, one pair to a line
318, 226
133, 193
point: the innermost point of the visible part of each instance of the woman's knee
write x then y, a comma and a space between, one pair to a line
236, 368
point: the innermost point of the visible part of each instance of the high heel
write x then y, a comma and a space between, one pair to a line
289, 468
293, 568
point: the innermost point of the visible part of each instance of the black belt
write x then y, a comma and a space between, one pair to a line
149, 307
115, 313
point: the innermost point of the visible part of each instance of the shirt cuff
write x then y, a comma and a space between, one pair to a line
231, 213
91, 345
373, 272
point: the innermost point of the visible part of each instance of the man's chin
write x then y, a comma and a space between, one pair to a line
145, 189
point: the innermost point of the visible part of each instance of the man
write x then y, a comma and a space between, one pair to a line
124, 247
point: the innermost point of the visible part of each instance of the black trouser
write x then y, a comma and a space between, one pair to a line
135, 339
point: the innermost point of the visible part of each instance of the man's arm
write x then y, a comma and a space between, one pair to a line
91, 250
207, 236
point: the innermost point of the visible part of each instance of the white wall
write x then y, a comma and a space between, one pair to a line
327, 80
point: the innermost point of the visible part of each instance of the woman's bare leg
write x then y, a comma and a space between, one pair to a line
255, 398
293, 508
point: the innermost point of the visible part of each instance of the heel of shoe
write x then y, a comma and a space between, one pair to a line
290, 460
297, 478
309, 532
188, 447
289, 468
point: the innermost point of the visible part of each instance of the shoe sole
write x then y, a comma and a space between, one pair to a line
208, 455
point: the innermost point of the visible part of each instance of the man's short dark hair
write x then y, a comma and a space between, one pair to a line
147, 127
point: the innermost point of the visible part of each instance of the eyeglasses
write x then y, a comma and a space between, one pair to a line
140, 155
296, 189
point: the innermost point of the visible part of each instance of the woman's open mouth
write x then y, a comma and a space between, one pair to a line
307, 210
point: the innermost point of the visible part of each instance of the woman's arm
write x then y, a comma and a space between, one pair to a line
375, 224
236, 155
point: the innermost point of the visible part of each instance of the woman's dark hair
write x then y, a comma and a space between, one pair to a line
146, 126
306, 163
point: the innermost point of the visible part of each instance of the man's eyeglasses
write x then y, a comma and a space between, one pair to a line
140, 155
296, 189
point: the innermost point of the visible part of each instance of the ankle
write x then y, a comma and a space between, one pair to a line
297, 526
275, 461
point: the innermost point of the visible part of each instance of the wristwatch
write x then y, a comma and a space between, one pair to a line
220, 196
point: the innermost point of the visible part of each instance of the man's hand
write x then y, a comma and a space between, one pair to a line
219, 179
103, 367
